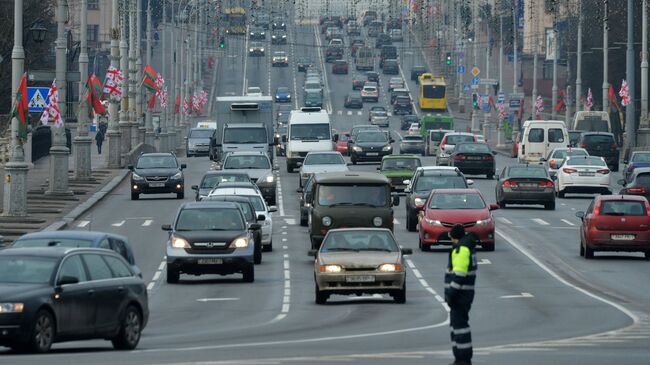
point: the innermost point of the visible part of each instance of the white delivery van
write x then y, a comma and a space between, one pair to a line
309, 130
539, 137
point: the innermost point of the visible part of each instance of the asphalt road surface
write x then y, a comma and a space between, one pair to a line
537, 301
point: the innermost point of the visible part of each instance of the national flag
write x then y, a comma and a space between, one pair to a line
187, 105
149, 80
539, 106
52, 109
560, 102
196, 102
93, 90
152, 101
113, 83
612, 97
624, 93
162, 91
177, 104
590, 100
21, 109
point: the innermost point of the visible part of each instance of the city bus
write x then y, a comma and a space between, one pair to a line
433, 93
235, 20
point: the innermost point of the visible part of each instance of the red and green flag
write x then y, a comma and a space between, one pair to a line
150, 78
21, 109
94, 90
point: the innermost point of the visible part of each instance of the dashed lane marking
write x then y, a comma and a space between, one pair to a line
147, 222
504, 220
540, 221
484, 262
118, 224
83, 224
568, 222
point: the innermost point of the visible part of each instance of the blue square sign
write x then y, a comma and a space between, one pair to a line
461, 69
37, 99
475, 80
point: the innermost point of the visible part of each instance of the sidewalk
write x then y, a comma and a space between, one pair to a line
44, 210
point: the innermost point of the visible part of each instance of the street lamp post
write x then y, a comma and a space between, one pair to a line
139, 128
171, 122
133, 74
644, 66
163, 146
605, 55
579, 59
630, 112
474, 126
554, 89
113, 133
149, 133
82, 141
515, 88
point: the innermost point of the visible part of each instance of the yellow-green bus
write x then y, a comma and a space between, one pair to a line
433, 92
235, 19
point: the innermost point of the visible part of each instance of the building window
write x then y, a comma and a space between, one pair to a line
93, 33
93, 4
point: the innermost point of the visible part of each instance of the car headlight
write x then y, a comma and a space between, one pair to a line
178, 175
277, 96
419, 202
483, 222
356, 149
241, 242
387, 148
262, 49
433, 222
377, 221
178, 242
331, 268
288, 95
263, 33
252, 33
11, 307
273, 36
389, 267
284, 36
251, 49
268, 178
136, 177
327, 221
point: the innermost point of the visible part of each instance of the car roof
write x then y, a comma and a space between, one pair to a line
236, 184
639, 198
366, 229
323, 153
457, 191
223, 172
158, 154
87, 235
597, 133
459, 134
245, 191
640, 170
54, 252
350, 177
208, 204
396, 157
246, 153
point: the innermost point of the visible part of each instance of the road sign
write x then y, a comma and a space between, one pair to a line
475, 71
489, 81
517, 96
461, 69
461, 55
466, 88
514, 103
36, 97
501, 98
486, 103
476, 80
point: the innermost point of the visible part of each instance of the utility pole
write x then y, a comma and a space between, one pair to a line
162, 137
113, 134
500, 136
605, 55
579, 59
171, 122
133, 72
180, 80
59, 152
475, 112
488, 50
554, 89
139, 92
643, 124
533, 96
82, 142
149, 132
15, 188
515, 88
630, 117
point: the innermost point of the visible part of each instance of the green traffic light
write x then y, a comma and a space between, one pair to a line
449, 60
221, 45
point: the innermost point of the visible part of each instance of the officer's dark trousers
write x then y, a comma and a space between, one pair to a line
461, 336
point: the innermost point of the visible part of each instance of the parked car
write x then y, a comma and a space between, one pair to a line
474, 159
157, 173
525, 184
583, 174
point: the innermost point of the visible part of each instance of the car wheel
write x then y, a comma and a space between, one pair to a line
180, 195
490, 176
582, 249
549, 206
135, 196
172, 275
289, 167
354, 161
487, 246
269, 247
411, 223
560, 193
422, 246
400, 295
321, 297
314, 244
257, 255
589, 252
647, 255
249, 274
130, 330
42, 336
303, 219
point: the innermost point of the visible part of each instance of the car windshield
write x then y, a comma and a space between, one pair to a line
324, 159
417, 139
282, 90
586, 161
437, 136
361, 240
15, 269
622, 208
247, 162
426, 183
643, 180
245, 135
372, 137
457, 201
309, 131
400, 164
209, 219
353, 195
156, 162
538, 172
52, 242
201, 133
592, 139
344, 137
561, 154
641, 157
473, 148
212, 180
379, 113
257, 202
279, 54
459, 138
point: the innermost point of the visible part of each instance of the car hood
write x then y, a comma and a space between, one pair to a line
315, 169
20, 292
361, 259
252, 173
156, 172
458, 215
371, 144
209, 236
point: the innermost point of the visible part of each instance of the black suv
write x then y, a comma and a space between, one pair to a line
407, 120
371, 145
278, 23
603, 145
157, 173
402, 105
424, 180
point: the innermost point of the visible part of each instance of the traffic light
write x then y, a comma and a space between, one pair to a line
449, 60
222, 42
474, 100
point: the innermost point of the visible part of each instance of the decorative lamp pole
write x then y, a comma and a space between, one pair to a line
113, 134
82, 142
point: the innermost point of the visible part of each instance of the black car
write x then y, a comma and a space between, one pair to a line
407, 120
215, 177
257, 33
574, 137
398, 92
279, 37
603, 145
304, 64
383, 39
373, 76
46, 298
639, 183
353, 100
390, 67
278, 23
157, 173
474, 158
210, 238
424, 180
525, 184
305, 196
402, 105
416, 71
370, 145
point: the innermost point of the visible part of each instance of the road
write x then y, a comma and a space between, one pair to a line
536, 299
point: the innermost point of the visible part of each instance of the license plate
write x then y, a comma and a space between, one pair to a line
372, 154
623, 237
210, 261
360, 279
157, 185
586, 174
473, 157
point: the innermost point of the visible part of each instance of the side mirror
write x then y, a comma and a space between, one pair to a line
195, 187
335, 138
395, 200
621, 182
580, 215
554, 177
255, 226
378, 168
273, 208
261, 217
542, 159
166, 227
130, 167
284, 139
407, 251
470, 182
67, 279
494, 206
183, 166
312, 253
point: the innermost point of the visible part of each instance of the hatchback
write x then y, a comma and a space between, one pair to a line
525, 184
340, 67
353, 100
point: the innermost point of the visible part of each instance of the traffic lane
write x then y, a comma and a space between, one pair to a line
231, 66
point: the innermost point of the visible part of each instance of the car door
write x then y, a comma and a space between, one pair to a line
125, 276
584, 229
556, 138
74, 304
109, 291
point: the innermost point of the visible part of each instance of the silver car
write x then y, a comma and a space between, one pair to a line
258, 167
318, 162
379, 118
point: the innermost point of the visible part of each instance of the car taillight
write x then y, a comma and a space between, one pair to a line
597, 209
569, 170
488, 157
546, 184
647, 209
582, 145
459, 157
614, 146
639, 190
510, 184
603, 171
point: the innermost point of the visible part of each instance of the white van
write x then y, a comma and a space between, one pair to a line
539, 137
309, 130
588, 121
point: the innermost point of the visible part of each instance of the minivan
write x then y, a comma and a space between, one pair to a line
540, 137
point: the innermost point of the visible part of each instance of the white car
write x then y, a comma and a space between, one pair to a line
255, 197
414, 129
280, 58
380, 118
556, 158
480, 138
370, 93
583, 174
319, 162
254, 91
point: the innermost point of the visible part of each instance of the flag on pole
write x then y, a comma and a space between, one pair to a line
590, 100
177, 104
612, 98
149, 80
161, 93
21, 109
539, 106
560, 102
187, 105
152, 101
624, 93
113, 83
52, 109
93, 90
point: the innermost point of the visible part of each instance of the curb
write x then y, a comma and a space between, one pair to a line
85, 206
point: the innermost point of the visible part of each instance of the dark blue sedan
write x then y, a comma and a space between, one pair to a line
282, 95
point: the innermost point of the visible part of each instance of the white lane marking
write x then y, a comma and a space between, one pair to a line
395, 221
162, 266
504, 220
484, 262
540, 221
417, 273
284, 240
319, 46
349, 112
204, 300
339, 112
118, 224
285, 247
426, 285
83, 224
568, 222
280, 199
150, 286
522, 295
147, 222
359, 113
290, 221
156, 276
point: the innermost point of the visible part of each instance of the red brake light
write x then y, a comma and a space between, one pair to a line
639, 190
547, 184
510, 184
597, 209
582, 145
569, 170
603, 171
488, 157
459, 157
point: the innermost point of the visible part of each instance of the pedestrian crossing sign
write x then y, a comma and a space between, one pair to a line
37, 99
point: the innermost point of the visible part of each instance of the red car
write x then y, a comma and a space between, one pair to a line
342, 143
615, 223
340, 67
446, 207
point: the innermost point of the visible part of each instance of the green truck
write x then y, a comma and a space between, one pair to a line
432, 128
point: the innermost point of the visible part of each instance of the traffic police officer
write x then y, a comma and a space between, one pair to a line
459, 292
